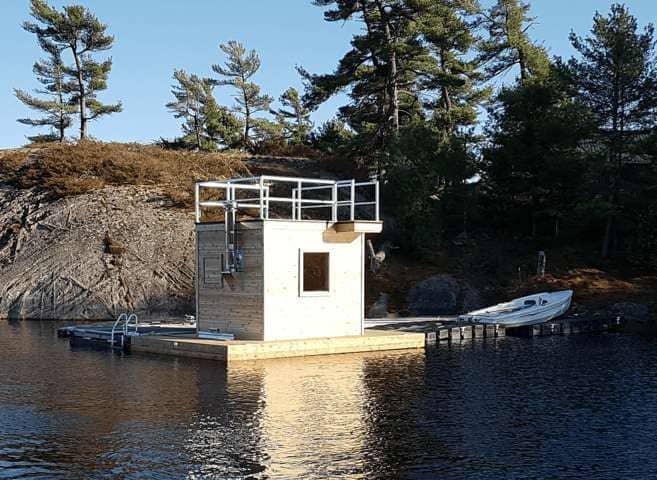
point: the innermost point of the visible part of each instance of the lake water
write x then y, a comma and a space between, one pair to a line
557, 407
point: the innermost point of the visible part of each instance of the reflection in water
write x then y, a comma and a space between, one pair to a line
574, 407
291, 418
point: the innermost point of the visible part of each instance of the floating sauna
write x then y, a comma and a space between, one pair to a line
282, 258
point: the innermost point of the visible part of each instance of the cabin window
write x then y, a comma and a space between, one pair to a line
314, 272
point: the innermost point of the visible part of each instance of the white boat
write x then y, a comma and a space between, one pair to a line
529, 310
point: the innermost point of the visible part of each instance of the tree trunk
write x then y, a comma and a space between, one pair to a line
446, 98
522, 61
247, 116
197, 132
61, 121
393, 89
380, 106
82, 93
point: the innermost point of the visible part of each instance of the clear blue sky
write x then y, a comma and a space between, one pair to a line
155, 36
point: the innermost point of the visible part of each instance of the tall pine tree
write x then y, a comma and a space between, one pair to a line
616, 77
81, 33
237, 72
206, 125
379, 72
294, 117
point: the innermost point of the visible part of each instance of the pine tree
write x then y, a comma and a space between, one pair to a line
508, 44
222, 127
380, 73
79, 31
294, 117
616, 77
331, 137
55, 106
534, 165
205, 124
238, 70
452, 84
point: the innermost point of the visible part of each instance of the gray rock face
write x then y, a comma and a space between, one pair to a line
442, 295
95, 255
434, 296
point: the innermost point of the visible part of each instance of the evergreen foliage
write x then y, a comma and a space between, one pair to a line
206, 125
507, 23
237, 72
616, 77
293, 117
55, 106
534, 166
77, 30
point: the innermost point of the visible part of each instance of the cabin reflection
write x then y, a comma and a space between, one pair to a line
299, 417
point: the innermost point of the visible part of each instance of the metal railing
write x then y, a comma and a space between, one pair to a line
125, 328
261, 197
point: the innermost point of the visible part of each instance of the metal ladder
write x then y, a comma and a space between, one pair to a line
127, 319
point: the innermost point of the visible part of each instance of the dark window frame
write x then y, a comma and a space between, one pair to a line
322, 265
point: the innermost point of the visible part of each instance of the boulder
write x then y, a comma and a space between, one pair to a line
436, 295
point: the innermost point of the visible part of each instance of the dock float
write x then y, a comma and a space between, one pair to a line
451, 331
568, 326
240, 350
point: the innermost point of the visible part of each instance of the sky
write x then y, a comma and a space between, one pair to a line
154, 37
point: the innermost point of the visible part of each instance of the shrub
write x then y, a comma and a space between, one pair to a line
71, 169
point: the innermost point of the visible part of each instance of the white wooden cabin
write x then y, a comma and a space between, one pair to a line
287, 260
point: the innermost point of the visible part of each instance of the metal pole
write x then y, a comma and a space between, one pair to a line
299, 202
262, 203
267, 203
353, 200
376, 200
334, 212
197, 208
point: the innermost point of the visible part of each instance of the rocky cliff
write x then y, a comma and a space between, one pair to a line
95, 255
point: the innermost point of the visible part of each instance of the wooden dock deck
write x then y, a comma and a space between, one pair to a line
239, 350
393, 334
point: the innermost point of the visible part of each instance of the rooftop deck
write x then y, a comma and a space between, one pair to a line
291, 198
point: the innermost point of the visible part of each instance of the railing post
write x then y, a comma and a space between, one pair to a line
197, 202
353, 199
376, 200
299, 202
267, 203
262, 201
334, 209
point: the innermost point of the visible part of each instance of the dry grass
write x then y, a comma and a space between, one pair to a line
72, 169
593, 286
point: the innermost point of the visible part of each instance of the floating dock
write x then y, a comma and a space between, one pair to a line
238, 350
449, 330
107, 335
396, 334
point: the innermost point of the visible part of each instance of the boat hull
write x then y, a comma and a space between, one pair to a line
530, 310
